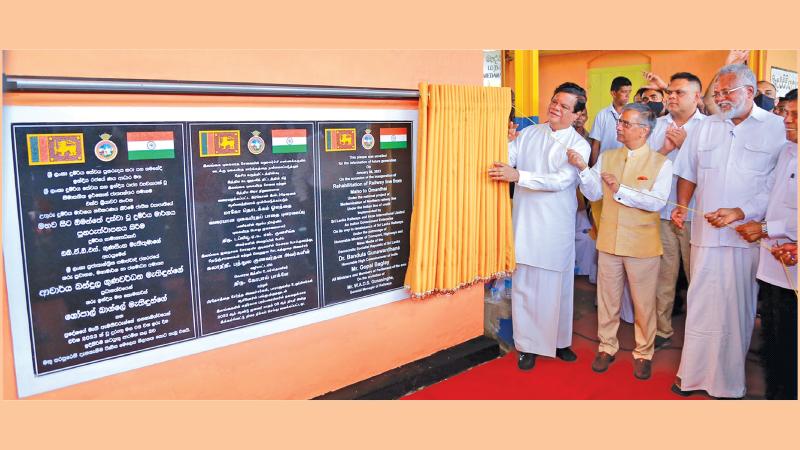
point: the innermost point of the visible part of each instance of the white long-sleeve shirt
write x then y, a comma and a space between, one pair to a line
656, 141
646, 200
730, 164
781, 218
544, 198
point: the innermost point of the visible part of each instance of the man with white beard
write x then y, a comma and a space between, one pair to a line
722, 162
544, 228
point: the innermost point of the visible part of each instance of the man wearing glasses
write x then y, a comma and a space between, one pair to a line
633, 183
544, 227
603, 137
724, 163
683, 94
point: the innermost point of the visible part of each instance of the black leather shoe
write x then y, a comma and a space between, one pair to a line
680, 392
662, 343
566, 354
526, 361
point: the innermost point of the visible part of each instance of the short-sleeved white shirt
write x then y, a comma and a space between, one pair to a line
730, 164
604, 129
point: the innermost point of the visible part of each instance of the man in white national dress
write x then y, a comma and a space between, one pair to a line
544, 227
724, 161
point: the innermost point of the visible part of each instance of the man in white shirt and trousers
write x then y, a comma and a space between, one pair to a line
544, 228
776, 289
604, 128
723, 163
634, 183
683, 94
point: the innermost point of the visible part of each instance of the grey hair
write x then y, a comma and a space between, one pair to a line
744, 76
645, 115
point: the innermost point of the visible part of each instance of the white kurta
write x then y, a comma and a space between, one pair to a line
544, 237
781, 218
727, 163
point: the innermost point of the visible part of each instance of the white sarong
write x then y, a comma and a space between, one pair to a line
720, 314
541, 309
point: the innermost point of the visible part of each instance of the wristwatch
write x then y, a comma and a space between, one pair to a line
764, 231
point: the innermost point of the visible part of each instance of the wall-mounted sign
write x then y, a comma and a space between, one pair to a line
492, 68
132, 242
783, 79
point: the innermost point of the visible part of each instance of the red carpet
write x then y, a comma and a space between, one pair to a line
554, 379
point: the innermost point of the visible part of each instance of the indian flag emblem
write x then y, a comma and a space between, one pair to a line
393, 138
289, 141
151, 145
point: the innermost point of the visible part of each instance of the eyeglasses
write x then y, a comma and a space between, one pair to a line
627, 125
727, 92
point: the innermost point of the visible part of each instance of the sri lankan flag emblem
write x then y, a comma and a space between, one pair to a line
340, 139
50, 149
219, 143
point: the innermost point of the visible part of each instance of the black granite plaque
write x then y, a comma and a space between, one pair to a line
105, 239
254, 211
140, 235
366, 207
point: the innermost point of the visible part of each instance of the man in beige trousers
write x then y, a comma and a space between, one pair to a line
634, 183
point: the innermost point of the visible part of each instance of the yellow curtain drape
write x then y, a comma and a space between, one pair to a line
461, 223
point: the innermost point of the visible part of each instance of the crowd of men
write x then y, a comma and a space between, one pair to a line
676, 176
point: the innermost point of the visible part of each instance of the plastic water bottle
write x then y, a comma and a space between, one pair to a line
507, 288
495, 296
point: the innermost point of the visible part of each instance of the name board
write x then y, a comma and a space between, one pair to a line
492, 68
172, 237
784, 80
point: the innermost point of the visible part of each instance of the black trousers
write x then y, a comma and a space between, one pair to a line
779, 335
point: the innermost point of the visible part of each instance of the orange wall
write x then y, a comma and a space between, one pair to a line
785, 59
370, 68
556, 69
303, 362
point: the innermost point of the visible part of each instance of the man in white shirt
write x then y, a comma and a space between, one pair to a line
776, 290
633, 182
604, 128
767, 89
684, 92
723, 163
544, 228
